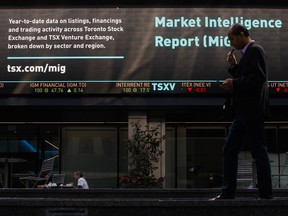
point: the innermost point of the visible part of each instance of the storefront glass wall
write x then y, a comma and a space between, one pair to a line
193, 152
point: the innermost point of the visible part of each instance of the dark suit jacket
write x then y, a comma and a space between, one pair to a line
250, 91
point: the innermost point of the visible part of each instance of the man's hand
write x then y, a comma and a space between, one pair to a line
231, 59
227, 84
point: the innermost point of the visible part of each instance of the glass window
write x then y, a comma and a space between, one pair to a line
282, 180
49, 145
123, 151
170, 155
93, 150
199, 156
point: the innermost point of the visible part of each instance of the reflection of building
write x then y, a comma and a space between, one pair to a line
94, 140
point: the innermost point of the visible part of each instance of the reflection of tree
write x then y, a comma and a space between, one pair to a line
144, 153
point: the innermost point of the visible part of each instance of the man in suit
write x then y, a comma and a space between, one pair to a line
250, 106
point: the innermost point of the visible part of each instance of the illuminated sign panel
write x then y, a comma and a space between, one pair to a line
132, 50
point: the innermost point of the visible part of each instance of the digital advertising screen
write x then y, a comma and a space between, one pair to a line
126, 51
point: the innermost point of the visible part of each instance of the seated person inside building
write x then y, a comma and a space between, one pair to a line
81, 182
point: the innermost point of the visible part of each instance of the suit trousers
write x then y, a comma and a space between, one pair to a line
253, 131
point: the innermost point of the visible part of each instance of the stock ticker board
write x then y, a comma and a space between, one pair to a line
132, 50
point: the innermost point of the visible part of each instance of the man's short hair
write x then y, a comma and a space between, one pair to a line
238, 28
79, 173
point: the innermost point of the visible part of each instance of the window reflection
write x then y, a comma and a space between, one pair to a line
193, 152
93, 150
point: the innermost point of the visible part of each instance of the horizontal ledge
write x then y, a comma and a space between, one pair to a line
141, 202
